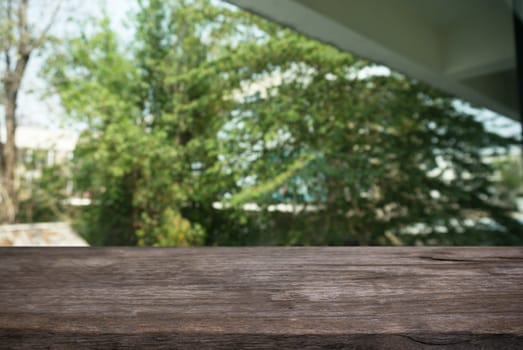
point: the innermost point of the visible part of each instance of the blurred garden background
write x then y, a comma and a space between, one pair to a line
191, 122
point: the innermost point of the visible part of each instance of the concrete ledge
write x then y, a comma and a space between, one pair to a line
40, 234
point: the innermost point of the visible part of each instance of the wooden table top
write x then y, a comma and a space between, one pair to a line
261, 298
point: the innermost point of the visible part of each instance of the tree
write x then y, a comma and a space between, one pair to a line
152, 109
382, 159
18, 42
209, 104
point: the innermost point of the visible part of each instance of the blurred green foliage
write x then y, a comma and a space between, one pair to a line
209, 104
509, 185
43, 198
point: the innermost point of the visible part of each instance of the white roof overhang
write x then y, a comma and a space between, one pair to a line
464, 47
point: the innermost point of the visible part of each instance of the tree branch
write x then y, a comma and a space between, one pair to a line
24, 49
9, 35
41, 39
23, 28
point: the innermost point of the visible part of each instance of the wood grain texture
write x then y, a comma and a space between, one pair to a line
261, 298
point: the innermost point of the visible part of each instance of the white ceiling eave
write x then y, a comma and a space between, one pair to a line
464, 47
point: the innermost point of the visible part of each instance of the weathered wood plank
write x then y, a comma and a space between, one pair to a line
261, 298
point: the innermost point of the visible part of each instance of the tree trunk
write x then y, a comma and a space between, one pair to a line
9, 149
12, 82
12, 86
